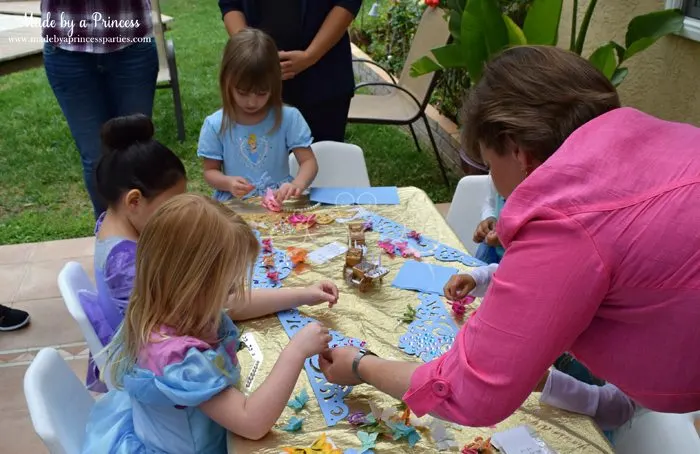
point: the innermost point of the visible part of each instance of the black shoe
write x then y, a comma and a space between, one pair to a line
12, 319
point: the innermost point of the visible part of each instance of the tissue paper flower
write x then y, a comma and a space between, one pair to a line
267, 245
388, 247
414, 235
270, 201
274, 276
307, 220
357, 418
459, 307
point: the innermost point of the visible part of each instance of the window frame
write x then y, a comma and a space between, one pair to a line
691, 25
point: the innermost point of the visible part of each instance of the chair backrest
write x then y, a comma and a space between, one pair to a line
650, 433
159, 33
58, 403
432, 32
340, 165
465, 210
71, 281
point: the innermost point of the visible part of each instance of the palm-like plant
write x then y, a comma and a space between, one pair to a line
480, 30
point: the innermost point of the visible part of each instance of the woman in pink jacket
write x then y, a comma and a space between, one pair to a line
602, 235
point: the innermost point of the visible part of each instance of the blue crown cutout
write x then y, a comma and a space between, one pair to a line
427, 247
331, 397
432, 332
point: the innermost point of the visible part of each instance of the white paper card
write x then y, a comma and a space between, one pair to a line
327, 252
516, 441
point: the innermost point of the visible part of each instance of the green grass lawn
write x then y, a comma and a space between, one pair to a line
41, 189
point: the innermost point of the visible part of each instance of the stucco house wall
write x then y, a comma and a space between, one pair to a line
664, 80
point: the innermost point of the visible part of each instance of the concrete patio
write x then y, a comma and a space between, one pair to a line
28, 274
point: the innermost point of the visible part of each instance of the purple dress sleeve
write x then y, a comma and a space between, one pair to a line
119, 272
106, 310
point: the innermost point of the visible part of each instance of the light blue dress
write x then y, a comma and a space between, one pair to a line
158, 413
255, 152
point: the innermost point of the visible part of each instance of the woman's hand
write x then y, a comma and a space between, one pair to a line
483, 229
322, 292
287, 191
459, 286
336, 365
294, 62
311, 340
240, 186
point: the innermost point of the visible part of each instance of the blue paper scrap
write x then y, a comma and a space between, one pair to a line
423, 277
356, 196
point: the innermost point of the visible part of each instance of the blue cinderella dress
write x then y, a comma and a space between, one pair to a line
157, 411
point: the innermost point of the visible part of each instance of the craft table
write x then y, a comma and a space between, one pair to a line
372, 317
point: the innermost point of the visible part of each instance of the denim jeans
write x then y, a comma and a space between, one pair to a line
93, 88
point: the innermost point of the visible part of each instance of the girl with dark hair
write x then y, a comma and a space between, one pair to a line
135, 175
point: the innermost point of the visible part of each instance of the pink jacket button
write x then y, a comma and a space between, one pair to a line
441, 388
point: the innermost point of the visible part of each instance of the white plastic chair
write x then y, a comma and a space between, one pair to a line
652, 433
58, 403
340, 165
465, 210
71, 281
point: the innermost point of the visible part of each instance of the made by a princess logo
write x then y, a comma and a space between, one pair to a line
69, 25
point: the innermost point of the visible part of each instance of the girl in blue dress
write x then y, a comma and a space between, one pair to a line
173, 360
246, 144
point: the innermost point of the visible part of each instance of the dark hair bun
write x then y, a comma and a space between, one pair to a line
122, 132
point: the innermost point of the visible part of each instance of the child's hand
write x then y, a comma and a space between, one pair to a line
311, 340
322, 292
240, 186
492, 239
459, 286
287, 191
483, 229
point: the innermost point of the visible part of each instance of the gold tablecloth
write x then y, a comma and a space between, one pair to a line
372, 317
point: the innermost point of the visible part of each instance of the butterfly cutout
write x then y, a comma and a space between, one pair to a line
443, 440
299, 401
381, 415
294, 424
368, 440
401, 430
320, 446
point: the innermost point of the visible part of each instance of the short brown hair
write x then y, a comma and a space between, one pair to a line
250, 63
536, 96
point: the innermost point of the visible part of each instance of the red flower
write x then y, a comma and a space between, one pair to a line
432, 3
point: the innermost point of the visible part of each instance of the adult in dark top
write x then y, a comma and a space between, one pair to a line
314, 46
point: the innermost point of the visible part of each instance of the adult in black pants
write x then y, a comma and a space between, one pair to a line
315, 55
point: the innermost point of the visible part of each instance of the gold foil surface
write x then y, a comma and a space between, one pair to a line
373, 317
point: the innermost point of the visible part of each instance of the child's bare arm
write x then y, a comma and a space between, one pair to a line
308, 167
252, 417
266, 301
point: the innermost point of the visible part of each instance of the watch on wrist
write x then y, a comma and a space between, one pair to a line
356, 362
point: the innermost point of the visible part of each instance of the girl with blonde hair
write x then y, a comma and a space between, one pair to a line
173, 360
245, 145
